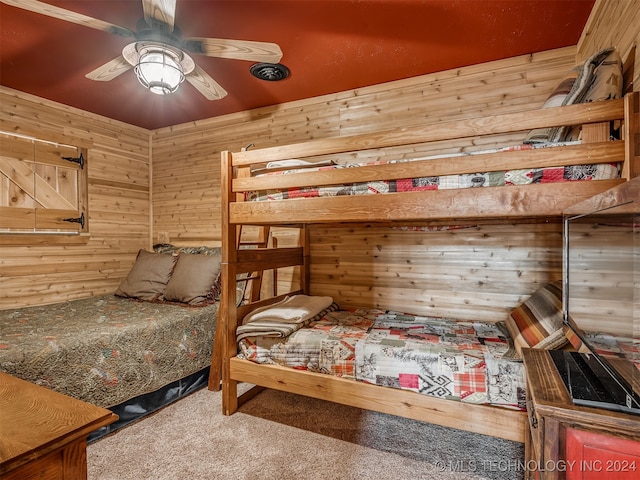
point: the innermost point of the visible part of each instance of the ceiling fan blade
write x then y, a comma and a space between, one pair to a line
69, 16
160, 13
109, 70
206, 85
236, 49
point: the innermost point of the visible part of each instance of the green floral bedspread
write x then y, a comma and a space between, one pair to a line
106, 349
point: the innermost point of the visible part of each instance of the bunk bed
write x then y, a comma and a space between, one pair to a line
306, 166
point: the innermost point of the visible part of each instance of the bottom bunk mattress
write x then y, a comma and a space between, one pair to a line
106, 349
467, 361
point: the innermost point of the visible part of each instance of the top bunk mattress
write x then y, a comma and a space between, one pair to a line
106, 349
498, 178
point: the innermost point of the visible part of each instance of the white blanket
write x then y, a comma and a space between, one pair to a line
282, 318
295, 309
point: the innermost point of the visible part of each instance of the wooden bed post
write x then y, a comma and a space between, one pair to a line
229, 235
305, 268
631, 134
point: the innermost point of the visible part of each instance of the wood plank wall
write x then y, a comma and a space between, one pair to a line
35, 272
473, 272
614, 23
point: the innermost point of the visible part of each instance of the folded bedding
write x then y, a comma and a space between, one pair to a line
106, 349
523, 176
284, 317
467, 361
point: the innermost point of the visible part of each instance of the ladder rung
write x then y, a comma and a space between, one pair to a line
252, 277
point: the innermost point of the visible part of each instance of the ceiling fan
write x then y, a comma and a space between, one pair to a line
158, 53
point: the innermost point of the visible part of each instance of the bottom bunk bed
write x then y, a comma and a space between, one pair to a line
460, 374
431, 366
130, 355
456, 373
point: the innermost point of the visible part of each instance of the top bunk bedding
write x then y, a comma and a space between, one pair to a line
522, 181
428, 172
498, 178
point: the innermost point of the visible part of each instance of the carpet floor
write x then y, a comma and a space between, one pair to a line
282, 436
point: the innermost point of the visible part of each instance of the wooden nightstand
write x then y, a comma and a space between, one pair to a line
570, 442
43, 434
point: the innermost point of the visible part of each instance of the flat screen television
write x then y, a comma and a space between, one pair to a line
601, 293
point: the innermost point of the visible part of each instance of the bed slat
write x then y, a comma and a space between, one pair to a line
569, 115
484, 419
587, 153
540, 200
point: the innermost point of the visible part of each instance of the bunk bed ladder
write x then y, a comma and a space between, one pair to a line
253, 283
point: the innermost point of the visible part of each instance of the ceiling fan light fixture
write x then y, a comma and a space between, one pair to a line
159, 70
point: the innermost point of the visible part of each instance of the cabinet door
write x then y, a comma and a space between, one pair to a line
595, 456
43, 187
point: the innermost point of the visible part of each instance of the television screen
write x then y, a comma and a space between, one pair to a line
602, 308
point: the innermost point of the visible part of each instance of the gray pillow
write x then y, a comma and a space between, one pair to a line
148, 277
194, 279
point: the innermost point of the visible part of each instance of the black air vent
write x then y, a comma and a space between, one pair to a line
271, 72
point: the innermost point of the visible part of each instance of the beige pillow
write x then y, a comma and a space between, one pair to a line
194, 279
148, 277
556, 99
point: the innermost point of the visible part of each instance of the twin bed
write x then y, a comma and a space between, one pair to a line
133, 352
342, 355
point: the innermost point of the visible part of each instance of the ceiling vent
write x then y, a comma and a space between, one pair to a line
271, 72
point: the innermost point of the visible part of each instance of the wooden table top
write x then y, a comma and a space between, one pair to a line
552, 398
35, 421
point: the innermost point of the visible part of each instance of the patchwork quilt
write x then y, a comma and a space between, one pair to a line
482, 179
466, 361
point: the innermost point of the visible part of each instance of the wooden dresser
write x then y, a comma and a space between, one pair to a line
43, 434
570, 442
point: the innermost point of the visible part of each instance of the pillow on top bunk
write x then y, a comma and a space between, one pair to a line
598, 78
556, 99
194, 280
537, 322
148, 277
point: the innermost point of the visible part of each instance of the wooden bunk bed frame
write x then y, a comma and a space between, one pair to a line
510, 203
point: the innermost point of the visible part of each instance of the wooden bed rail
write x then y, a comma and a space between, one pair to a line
595, 112
585, 153
631, 133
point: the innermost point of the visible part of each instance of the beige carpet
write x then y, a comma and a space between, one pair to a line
281, 436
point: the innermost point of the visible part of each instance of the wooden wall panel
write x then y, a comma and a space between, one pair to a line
475, 272
36, 272
614, 23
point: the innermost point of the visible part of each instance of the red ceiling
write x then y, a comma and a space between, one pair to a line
329, 46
